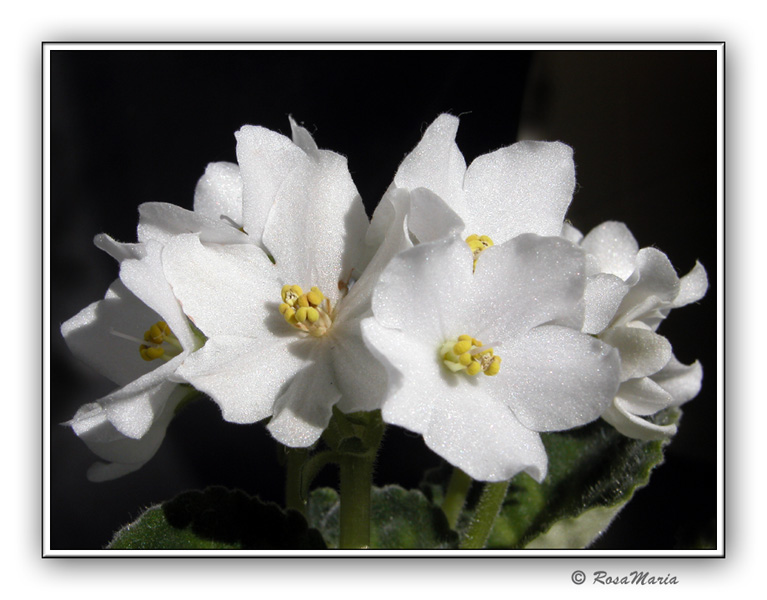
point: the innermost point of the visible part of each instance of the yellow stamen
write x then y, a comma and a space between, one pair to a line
306, 312
467, 354
315, 296
156, 337
291, 293
478, 244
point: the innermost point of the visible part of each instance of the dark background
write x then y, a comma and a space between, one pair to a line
135, 126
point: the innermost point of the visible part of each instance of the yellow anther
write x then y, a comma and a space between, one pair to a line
461, 347
485, 359
494, 367
155, 337
466, 353
151, 352
474, 368
315, 296
291, 293
305, 311
155, 334
478, 243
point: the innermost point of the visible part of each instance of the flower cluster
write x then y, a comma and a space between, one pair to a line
467, 310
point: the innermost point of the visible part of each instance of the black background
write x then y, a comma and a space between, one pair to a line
135, 126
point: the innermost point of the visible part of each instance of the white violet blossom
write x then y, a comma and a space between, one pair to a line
628, 294
138, 337
282, 315
482, 355
522, 188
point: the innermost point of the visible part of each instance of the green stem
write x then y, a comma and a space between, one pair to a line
294, 498
455, 496
481, 524
356, 483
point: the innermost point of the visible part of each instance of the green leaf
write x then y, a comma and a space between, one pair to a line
217, 519
400, 519
593, 472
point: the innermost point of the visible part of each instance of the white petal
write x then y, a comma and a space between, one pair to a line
266, 158
482, 437
642, 397
243, 376
614, 247
418, 283
419, 213
681, 381
636, 427
693, 286
525, 282
415, 379
431, 218
225, 290
642, 352
317, 225
461, 423
118, 250
359, 376
219, 193
303, 411
466, 427
523, 188
91, 334
146, 279
303, 139
160, 222
383, 216
124, 454
571, 233
391, 213
436, 164
133, 408
658, 285
602, 297
555, 378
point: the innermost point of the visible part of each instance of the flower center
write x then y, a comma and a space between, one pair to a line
467, 354
159, 342
308, 312
478, 244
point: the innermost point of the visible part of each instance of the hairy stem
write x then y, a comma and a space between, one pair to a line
481, 524
455, 496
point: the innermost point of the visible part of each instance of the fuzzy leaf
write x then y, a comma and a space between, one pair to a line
593, 472
217, 519
400, 519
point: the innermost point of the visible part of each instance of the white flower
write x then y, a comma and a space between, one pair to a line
628, 294
437, 324
282, 313
231, 201
138, 337
523, 188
